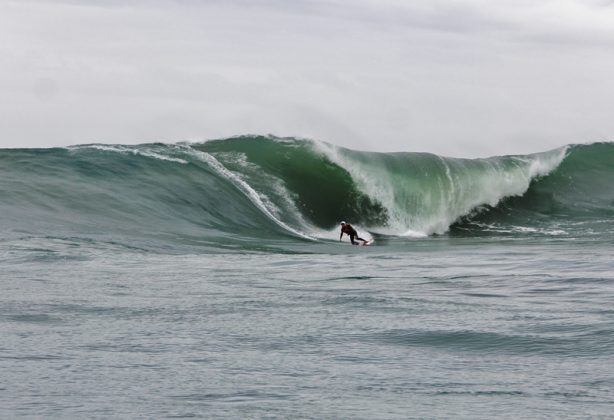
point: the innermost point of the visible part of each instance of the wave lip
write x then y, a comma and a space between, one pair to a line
424, 194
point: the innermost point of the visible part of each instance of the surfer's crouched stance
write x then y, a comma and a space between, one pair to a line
351, 232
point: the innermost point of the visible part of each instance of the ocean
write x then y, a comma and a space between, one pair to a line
207, 280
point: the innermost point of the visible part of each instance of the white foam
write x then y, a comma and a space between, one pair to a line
159, 156
442, 206
414, 234
546, 162
140, 150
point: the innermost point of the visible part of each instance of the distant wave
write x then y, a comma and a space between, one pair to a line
224, 191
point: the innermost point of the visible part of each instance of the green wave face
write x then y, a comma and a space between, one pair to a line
317, 184
303, 183
257, 188
151, 196
576, 198
581, 186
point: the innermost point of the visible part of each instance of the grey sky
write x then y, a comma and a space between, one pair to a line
459, 78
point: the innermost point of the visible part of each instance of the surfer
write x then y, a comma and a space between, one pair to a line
351, 232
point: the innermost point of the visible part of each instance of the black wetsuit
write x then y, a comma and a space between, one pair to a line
351, 232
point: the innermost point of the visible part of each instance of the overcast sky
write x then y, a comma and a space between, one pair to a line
460, 78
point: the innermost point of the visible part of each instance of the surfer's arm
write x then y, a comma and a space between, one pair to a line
340, 236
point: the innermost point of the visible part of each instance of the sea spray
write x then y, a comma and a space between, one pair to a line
425, 193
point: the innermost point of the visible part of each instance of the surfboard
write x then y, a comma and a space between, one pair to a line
368, 242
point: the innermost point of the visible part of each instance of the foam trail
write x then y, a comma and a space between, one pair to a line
138, 151
245, 187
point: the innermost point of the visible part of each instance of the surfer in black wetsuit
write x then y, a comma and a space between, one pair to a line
351, 232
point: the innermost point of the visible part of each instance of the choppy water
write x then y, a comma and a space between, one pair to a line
448, 329
158, 282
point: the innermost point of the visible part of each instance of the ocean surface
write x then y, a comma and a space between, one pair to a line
207, 280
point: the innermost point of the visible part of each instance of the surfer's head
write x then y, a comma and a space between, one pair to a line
342, 223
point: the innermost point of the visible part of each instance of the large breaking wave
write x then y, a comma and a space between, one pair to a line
227, 191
